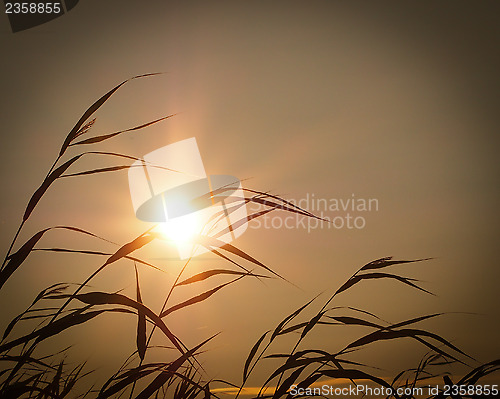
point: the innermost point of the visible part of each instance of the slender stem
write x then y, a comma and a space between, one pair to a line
251, 369
12, 244
85, 283
321, 311
162, 309
33, 345
24, 221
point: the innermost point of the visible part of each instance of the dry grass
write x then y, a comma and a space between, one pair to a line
64, 306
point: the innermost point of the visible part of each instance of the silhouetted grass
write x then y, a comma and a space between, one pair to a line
63, 306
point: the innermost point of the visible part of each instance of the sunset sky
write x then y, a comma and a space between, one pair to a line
313, 101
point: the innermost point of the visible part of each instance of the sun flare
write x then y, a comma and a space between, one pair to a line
181, 230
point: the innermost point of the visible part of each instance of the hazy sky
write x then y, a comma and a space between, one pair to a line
378, 100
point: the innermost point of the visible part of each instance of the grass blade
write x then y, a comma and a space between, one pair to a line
104, 137
86, 252
210, 243
37, 195
93, 108
285, 386
354, 375
141, 322
289, 318
104, 298
85, 128
196, 299
130, 247
16, 259
387, 261
251, 355
315, 320
210, 273
394, 334
99, 170
368, 276
164, 376
65, 322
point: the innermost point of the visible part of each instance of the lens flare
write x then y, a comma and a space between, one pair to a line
181, 230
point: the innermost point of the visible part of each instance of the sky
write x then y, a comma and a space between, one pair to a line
315, 101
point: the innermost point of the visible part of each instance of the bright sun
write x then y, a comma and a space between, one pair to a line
181, 230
